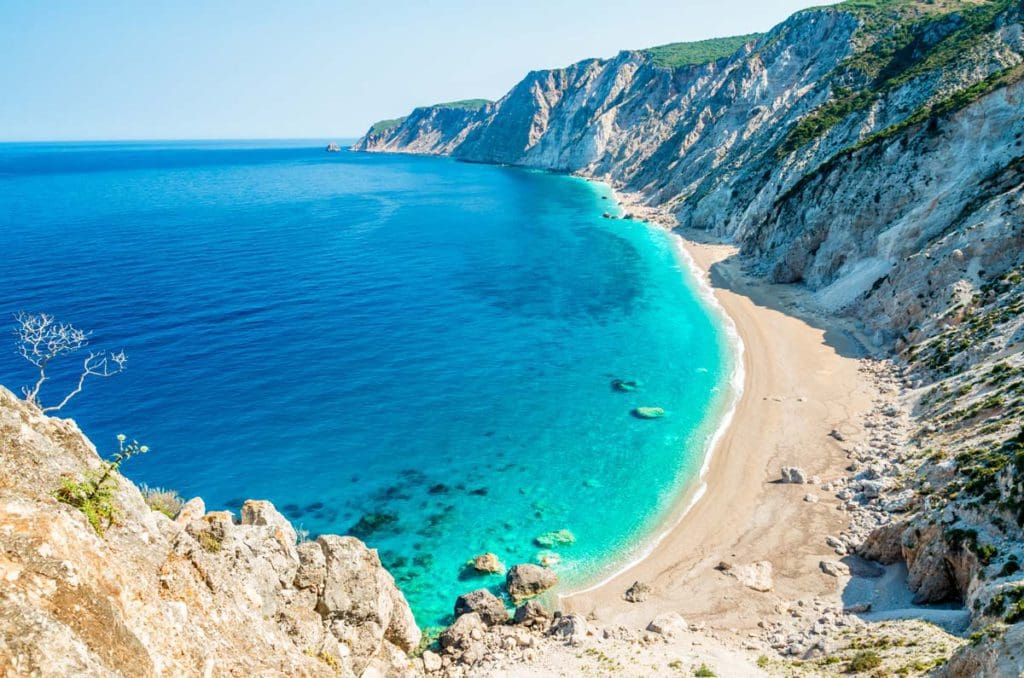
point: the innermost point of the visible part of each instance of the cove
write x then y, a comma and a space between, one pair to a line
416, 351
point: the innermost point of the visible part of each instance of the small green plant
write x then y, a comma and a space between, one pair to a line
326, 657
167, 502
864, 661
94, 494
704, 671
763, 661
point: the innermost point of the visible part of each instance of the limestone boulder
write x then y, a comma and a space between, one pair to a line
525, 581
481, 601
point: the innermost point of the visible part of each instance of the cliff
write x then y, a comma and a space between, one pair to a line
872, 153
199, 594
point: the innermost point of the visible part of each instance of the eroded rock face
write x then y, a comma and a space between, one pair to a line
155, 596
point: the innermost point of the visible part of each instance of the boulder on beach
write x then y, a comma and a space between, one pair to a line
525, 581
793, 474
648, 413
668, 624
756, 576
490, 608
638, 592
556, 538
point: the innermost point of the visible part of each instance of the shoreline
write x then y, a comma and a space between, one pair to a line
736, 512
693, 489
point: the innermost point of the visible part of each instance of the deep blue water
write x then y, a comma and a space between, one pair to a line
351, 334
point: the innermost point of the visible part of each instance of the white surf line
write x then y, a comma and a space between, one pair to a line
736, 383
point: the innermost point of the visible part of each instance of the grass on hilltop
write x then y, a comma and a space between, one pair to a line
679, 54
385, 125
467, 104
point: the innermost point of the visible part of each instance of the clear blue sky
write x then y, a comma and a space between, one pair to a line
154, 69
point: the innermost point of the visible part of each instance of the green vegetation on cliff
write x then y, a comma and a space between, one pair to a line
679, 54
462, 104
467, 104
385, 125
900, 40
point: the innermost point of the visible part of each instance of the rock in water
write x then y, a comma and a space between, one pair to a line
526, 580
793, 474
488, 563
648, 413
490, 608
638, 592
624, 385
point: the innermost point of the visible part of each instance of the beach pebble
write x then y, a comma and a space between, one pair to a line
811, 498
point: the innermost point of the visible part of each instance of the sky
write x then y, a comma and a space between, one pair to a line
195, 69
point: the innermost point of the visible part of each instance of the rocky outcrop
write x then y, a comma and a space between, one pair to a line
204, 593
526, 580
485, 604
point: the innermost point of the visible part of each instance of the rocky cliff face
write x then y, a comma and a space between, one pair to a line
834, 149
873, 153
201, 594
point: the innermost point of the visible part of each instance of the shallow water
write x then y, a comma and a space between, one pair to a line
413, 350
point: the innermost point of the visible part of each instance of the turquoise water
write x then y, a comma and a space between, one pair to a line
413, 350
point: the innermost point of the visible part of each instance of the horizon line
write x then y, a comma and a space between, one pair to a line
99, 140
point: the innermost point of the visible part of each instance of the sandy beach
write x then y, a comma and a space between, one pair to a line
803, 379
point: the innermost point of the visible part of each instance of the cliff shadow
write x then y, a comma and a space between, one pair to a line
734, 274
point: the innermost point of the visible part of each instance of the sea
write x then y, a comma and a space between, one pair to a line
440, 358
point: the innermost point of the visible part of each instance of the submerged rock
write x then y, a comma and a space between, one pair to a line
370, 523
625, 386
648, 412
548, 558
556, 538
526, 580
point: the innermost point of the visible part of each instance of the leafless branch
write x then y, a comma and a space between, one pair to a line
41, 339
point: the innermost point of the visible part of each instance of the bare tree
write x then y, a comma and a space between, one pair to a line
41, 340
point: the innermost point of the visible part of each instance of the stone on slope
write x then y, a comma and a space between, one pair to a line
481, 601
668, 624
526, 580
